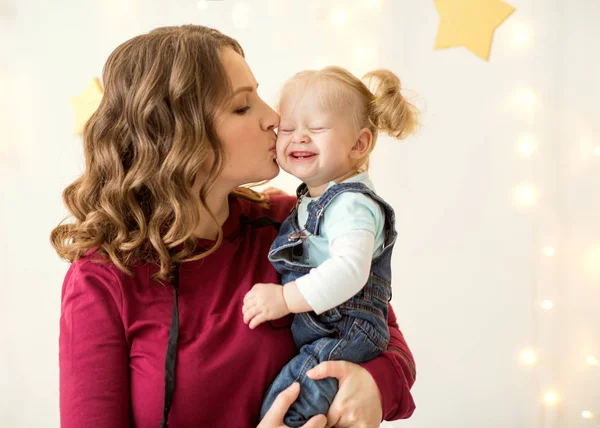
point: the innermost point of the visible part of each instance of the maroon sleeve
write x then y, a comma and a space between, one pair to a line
394, 373
93, 353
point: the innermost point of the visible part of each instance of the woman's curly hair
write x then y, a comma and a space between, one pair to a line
143, 149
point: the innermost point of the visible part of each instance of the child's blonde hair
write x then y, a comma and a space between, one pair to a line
376, 102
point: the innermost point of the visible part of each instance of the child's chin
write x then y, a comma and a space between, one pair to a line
289, 171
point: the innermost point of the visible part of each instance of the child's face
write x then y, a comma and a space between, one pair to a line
313, 144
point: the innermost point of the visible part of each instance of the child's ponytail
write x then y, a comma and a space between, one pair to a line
389, 111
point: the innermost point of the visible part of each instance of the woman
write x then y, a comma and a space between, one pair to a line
166, 243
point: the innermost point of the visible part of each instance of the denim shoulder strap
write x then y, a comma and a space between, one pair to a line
317, 208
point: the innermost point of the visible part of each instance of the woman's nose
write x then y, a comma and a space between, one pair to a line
271, 120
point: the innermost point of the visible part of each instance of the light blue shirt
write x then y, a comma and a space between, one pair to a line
347, 212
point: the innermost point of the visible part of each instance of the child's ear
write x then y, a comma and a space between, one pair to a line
363, 144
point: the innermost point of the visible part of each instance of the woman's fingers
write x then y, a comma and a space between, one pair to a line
275, 415
337, 369
281, 405
318, 421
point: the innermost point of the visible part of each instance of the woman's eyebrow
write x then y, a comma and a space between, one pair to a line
244, 88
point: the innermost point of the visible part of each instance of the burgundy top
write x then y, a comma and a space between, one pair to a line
114, 330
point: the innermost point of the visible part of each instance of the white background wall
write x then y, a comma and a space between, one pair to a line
469, 267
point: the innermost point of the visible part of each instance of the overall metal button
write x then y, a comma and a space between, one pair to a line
294, 236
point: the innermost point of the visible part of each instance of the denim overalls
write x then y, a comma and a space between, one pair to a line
355, 331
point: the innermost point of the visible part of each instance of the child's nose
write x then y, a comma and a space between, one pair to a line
301, 137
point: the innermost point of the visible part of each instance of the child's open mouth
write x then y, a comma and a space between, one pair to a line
302, 155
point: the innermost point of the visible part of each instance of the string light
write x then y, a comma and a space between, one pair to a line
528, 357
550, 398
522, 35
526, 195
338, 17
586, 414
547, 304
526, 146
525, 100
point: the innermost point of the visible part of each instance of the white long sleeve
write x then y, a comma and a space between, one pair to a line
343, 275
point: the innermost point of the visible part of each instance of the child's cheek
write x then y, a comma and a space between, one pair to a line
280, 148
281, 161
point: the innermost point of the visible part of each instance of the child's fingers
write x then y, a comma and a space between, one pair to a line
257, 320
246, 307
248, 297
249, 305
249, 314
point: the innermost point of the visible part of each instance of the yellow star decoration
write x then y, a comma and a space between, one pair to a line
86, 104
470, 23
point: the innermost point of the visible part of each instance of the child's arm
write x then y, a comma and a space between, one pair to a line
351, 221
338, 278
330, 284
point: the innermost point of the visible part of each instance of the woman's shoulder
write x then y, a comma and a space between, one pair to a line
93, 296
93, 270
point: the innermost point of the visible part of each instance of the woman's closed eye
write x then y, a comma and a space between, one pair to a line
242, 110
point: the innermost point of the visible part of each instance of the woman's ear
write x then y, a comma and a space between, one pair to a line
362, 146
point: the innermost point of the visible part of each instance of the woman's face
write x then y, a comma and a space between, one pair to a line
246, 127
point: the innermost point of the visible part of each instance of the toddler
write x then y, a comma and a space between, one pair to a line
334, 250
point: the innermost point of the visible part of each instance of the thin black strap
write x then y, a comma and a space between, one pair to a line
259, 222
174, 330
171, 352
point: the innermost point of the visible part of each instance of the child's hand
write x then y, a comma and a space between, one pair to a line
264, 302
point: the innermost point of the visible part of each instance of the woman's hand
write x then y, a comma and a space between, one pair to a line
274, 417
358, 402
